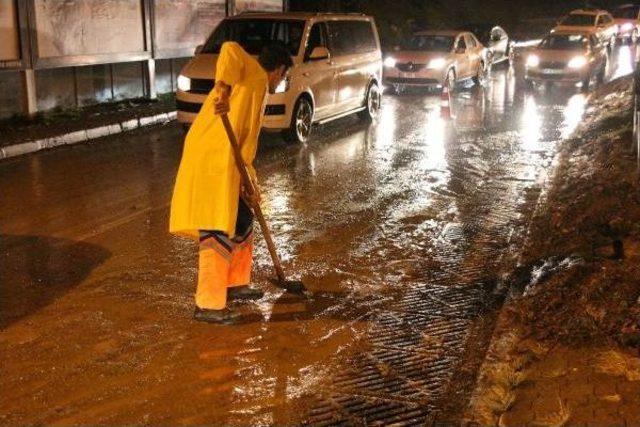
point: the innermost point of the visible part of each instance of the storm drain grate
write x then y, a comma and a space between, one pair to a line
416, 342
349, 410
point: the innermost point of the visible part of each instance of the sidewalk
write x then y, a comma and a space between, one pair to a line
22, 136
566, 349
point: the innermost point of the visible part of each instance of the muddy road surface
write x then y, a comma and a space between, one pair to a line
401, 229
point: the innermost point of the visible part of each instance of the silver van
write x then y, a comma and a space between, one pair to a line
337, 68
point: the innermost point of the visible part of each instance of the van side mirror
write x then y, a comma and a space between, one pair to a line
199, 49
319, 52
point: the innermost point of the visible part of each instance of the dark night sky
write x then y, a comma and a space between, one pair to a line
396, 17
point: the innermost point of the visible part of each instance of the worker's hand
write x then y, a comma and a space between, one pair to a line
254, 198
221, 99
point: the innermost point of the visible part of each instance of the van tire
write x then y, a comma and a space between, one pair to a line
372, 103
301, 121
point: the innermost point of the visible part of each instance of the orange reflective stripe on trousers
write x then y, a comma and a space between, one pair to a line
221, 268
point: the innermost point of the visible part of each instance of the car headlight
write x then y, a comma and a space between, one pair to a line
533, 61
436, 64
626, 26
184, 83
578, 62
283, 86
390, 62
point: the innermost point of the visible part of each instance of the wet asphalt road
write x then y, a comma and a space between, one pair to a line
401, 229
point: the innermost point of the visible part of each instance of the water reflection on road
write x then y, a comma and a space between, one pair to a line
399, 229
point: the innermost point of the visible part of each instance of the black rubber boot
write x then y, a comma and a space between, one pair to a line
223, 317
244, 293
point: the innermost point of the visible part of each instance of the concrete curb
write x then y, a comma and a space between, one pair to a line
85, 135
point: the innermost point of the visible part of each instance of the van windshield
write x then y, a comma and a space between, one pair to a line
565, 42
254, 34
429, 43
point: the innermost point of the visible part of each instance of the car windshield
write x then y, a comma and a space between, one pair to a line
565, 42
429, 43
579, 20
254, 34
629, 12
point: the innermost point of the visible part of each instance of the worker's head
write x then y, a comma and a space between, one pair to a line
276, 61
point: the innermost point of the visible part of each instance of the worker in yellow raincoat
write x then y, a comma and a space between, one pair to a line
207, 205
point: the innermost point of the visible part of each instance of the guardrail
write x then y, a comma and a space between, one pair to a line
635, 143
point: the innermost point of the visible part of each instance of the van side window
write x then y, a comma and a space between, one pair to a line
317, 38
347, 37
461, 44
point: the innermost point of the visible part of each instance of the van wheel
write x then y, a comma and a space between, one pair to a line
372, 103
301, 121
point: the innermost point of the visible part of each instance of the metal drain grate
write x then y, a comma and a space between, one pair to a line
348, 410
417, 340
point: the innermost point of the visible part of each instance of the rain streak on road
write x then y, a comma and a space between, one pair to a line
401, 229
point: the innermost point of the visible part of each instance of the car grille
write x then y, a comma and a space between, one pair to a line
202, 86
188, 107
410, 67
275, 110
404, 80
553, 65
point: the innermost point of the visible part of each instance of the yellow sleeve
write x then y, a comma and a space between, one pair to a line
231, 63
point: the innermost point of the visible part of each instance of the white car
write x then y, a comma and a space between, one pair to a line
594, 21
434, 59
568, 57
337, 68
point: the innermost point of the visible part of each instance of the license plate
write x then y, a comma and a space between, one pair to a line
552, 71
409, 75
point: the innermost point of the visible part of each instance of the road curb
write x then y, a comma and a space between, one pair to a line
85, 135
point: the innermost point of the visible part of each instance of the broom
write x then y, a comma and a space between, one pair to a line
293, 286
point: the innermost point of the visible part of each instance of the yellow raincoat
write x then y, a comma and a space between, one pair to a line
207, 187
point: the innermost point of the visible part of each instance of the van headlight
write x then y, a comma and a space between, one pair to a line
184, 83
436, 64
283, 86
577, 62
533, 61
389, 62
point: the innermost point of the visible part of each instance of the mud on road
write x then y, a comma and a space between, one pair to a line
401, 229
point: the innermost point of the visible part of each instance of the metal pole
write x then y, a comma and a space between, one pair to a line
635, 143
29, 100
149, 68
